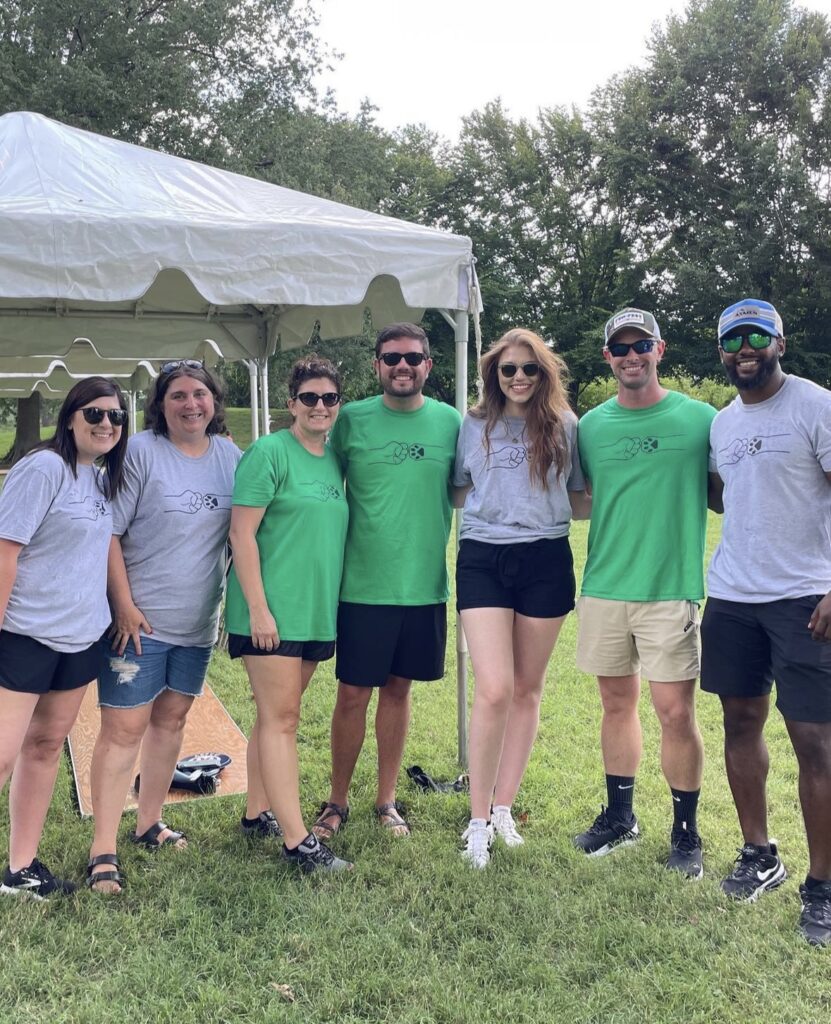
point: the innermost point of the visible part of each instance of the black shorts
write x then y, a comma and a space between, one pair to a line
28, 666
534, 579
744, 647
308, 650
376, 641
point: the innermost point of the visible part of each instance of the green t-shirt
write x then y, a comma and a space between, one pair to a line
648, 473
300, 538
398, 467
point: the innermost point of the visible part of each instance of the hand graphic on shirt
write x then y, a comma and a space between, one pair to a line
509, 457
624, 448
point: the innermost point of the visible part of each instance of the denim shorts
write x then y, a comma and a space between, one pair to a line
128, 681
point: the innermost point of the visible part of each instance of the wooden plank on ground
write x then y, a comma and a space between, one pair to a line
209, 727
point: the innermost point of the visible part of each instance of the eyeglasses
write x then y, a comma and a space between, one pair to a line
92, 414
410, 358
619, 348
175, 364
733, 342
311, 398
510, 369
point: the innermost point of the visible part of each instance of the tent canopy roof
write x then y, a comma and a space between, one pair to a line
148, 254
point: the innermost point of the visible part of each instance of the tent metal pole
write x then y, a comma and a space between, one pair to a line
265, 412
253, 384
461, 337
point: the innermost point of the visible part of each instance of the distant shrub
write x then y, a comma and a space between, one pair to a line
717, 393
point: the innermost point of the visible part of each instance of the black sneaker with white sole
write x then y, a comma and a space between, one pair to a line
312, 855
607, 833
686, 853
264, 826
815, 919
36, 881
757, 870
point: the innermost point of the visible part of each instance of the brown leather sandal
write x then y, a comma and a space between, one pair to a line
328, 813
390, 816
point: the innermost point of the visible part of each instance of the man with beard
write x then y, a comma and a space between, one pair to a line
768, 615
645, 454
397, 452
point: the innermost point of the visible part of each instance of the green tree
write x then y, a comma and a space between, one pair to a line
718, 148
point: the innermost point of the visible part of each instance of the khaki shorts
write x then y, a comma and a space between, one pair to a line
658, 639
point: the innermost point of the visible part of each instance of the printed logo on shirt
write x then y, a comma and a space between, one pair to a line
396, 453
740, 447
191, 502
321, 491
509, 457
626, 448
89, 508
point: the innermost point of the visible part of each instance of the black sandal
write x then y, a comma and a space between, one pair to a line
330, 810
395, 820
93, 878
150, 839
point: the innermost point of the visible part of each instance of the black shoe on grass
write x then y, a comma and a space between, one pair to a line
607, 833
685, 853
815, 919
312, 855
264, 826
757, 870
36, 881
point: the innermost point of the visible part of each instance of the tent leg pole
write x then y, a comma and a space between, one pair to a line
265, 411
461, 337
254, 395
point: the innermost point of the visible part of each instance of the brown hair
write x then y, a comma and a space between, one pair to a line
313, 367
547, 445
392, 332
154, 416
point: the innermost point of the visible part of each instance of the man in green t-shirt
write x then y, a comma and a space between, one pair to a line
396, 451
645, 453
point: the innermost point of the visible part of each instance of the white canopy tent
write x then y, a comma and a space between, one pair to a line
148, 255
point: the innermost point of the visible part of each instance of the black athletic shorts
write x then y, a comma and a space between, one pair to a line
744, 647
376, 641
28, 666
308, 650
534, 579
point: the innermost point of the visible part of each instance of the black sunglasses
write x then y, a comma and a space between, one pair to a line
619, 348
410, 358
175, 364
510, 369
733, 342
92, 414
311, 398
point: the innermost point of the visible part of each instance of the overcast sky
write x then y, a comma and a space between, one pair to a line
532, 53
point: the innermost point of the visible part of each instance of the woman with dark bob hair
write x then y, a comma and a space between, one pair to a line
516, 469
288, 529
166, 577
55, 531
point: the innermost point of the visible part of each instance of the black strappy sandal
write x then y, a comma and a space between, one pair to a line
93, 878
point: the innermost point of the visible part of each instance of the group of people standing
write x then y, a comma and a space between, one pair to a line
339, 528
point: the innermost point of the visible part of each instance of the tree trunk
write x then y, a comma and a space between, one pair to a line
27, 431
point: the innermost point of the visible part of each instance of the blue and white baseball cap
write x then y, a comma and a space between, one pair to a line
750, 313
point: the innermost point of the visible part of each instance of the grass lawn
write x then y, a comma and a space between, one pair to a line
214, 934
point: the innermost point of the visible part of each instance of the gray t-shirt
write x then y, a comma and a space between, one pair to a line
504, 505
772, 457
173, 515
59, 597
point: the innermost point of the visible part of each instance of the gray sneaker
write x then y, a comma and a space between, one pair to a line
312, 855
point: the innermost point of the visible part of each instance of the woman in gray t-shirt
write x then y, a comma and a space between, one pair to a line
516, 468
55, 533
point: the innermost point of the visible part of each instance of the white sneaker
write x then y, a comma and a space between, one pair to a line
504, 826
478, 837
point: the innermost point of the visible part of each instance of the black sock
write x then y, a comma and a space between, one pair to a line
250, 821
814, 883
684, 807
620, 790
310, 843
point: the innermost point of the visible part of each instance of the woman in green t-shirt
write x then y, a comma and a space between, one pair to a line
288, 529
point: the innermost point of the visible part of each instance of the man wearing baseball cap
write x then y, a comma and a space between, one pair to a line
645, 453
768, 614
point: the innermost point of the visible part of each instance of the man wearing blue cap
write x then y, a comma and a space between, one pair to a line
768, 615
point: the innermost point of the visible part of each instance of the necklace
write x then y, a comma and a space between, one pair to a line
510, 432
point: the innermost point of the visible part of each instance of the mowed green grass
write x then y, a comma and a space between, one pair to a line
211, 935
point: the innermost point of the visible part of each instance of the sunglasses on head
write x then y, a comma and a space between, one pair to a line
92, 414
510, 369
311, 398
734, 341
620, 348
175, 364
410, 358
